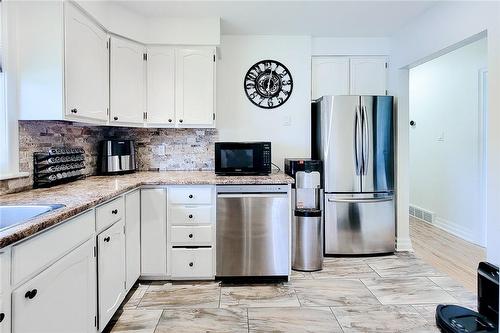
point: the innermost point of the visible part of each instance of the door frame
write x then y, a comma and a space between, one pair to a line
482, 149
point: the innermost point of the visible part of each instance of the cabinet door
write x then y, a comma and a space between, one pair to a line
153, 232
86, 67
111, 271
127, 86
195, 82
330, 76
60, 299
4, 292
368, 76
161, 85
133, 237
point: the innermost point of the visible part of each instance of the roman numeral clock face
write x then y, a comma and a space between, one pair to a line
268, 84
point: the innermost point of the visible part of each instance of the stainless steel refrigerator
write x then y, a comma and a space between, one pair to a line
354, 137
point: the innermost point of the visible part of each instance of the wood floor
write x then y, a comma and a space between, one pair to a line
447, 253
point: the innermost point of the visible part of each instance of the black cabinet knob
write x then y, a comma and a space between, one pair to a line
31, 294
412, 123
170, 120
180, 120
107, 239
115, 118
191, 264
74, 110
190, 196
114, 211
190, 216
2, 316
190, 235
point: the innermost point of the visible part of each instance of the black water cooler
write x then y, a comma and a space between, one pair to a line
457, 319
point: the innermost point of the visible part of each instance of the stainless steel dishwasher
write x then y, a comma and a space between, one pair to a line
253, 231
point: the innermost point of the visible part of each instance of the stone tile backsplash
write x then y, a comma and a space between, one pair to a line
156, 149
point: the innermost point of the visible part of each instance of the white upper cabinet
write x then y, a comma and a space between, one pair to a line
86, 67
81, 74
195, 82
62, 64
161, 86
368, 76
127, 82
330, 76
61, 298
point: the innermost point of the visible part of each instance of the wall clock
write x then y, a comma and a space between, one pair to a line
268, 84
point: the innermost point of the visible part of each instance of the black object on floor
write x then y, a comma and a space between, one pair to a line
457, 319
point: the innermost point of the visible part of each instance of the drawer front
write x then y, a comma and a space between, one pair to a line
191, 236
35, 253
190, 215
109, 213
190, 195
192, 263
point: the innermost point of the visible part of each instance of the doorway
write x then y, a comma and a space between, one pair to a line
448, 101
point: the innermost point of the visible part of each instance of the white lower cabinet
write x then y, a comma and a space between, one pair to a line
4, 316
191, 235
132, 237
111, 271
191, 230
153, 232
4, 292
62, 298
192, 263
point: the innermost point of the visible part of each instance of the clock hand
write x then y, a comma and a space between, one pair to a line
269, 81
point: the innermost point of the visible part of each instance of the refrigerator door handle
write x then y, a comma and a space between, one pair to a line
366, 140
358, 144
360, 200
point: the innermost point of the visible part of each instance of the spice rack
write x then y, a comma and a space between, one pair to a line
57, 166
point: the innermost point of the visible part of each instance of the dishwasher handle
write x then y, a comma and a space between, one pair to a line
252, 195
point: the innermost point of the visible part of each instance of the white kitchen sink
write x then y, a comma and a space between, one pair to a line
11, 215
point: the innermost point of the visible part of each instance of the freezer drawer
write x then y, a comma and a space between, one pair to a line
252, 234
359, 224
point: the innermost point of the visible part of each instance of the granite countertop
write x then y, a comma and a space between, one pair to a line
83, 194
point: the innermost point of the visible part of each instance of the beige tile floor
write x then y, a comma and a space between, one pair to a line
396, 293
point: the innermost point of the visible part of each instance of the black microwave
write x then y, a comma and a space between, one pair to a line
242, 158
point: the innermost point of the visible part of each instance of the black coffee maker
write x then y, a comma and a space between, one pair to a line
457, 319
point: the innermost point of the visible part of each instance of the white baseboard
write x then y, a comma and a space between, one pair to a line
456, 230
403, 245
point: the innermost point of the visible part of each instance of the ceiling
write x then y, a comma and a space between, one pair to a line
314, 18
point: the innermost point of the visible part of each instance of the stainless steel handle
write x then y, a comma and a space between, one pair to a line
253, 195
362, 200
357, 141
366, 140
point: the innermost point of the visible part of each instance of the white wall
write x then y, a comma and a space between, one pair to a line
180, 31
445, 166
439, 28
350, 46
238, 119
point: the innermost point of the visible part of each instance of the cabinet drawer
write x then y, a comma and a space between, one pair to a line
190, 214
192, 263
191, 236
109, 213
190, 195
35, 253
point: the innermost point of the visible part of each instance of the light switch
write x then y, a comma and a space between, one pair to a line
440, 138
287, 121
